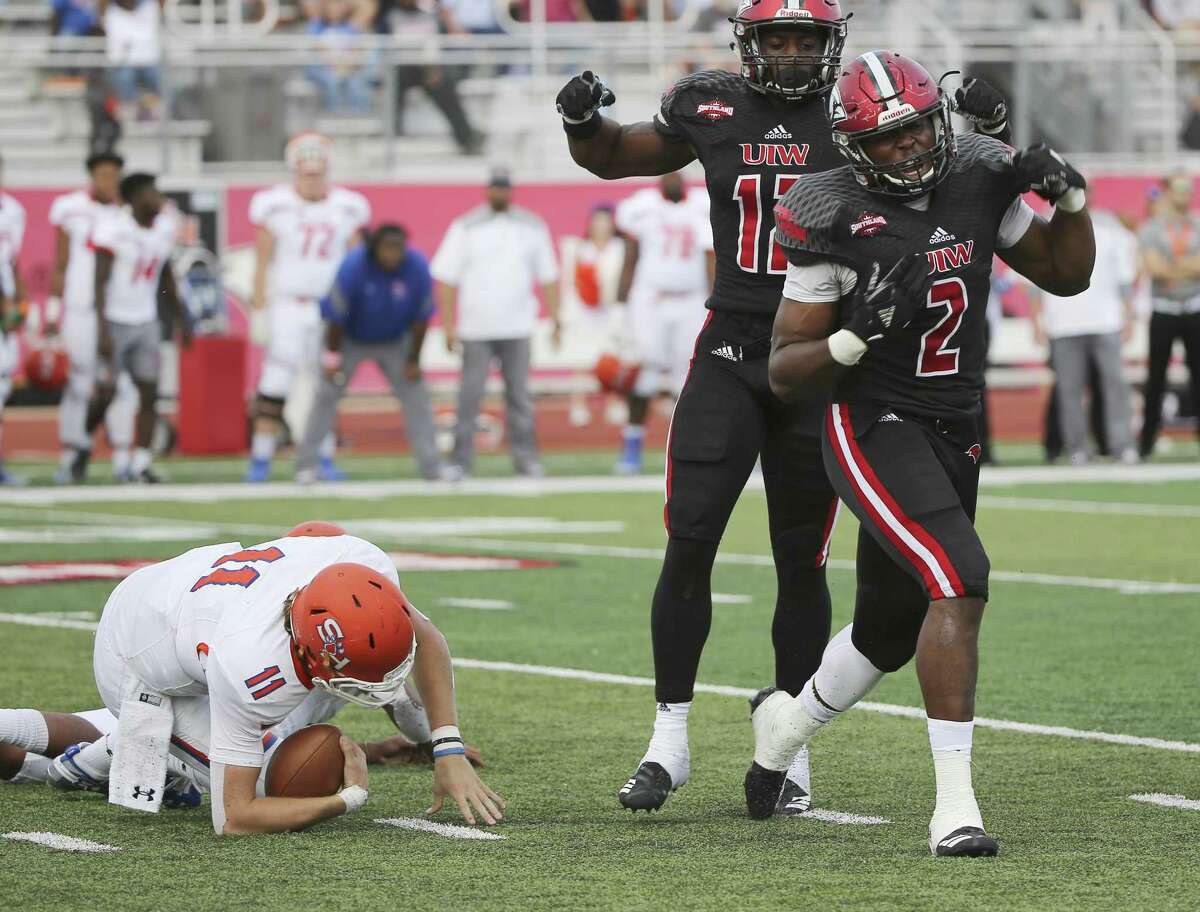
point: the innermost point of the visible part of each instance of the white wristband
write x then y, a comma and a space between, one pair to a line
445, 731
54, 309
1073, 200
846, 348
355, 797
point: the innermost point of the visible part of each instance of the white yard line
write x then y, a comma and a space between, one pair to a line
449, 830
524, 487
1138, 587
842, 819
60, 842
730, 598
1170, 801
1103, 507
482, 604
599, 677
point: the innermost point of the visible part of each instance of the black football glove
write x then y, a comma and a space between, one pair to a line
583, 96
1045, 172
980, 103
888, 304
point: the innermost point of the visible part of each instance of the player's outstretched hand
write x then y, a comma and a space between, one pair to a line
453, 776
980, 103
1048, 174
582, 96
355, 770
890, 302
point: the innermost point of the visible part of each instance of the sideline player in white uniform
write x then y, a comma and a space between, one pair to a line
227, 642
303, 231
133, 267
667, 277
12, 302
71, 315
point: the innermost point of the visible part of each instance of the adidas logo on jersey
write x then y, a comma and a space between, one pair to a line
941, 236
890, 416
777, 132
728, 352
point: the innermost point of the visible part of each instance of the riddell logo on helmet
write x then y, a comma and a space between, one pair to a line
868, 224
715, 110
895, 114
793, 14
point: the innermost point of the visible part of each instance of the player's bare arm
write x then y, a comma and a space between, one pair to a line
609, 149
104, 265
416, 341
453, 776
169, 290
800, 357
628, 268
1056, 255
246, 814
58, 278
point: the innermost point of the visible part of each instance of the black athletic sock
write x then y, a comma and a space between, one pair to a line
800, 629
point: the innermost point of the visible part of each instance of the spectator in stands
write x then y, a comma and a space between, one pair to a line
1171, 257
473, 17
414, 18
1173, 14
1089, 329
73, 18
486, 268
377, 310
345, 74
132, 29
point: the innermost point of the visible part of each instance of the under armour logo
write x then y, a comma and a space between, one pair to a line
139, 792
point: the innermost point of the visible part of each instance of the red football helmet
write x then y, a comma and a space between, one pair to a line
882, 91
352, 627
614, 376
315, 528
46, 367
789, 77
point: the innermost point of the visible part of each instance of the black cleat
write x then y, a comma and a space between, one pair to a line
148, 476
648, 789
763, 787
793, 800
967, 842
79, 466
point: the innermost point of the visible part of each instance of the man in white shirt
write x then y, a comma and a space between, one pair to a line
12, 303
667, 277
303, 230
133, 267
1089, 328
133, 47
486, 269
71, 316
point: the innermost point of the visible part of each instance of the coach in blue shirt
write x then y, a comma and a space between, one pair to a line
377, 310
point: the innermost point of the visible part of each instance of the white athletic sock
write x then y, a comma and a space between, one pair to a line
141, 460
262, 445
956, 807
66, 458
95, 759
328, 447
669, 743
33, 769
844, 678
121, 459
24, 728
799, 772
786, 728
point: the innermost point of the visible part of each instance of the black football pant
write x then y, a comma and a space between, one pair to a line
913, 484
1164, 330
725, 419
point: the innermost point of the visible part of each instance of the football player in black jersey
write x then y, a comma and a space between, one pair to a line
889, 265
755, 134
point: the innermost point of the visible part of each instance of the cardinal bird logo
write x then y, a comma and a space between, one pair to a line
975, 452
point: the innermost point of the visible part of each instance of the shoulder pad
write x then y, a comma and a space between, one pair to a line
806, 216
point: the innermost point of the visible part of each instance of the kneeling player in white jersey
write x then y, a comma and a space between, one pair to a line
12, 299
71, 315
303, 231
200, 654
133, 267
667, 276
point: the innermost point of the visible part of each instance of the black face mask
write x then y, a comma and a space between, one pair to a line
791, 75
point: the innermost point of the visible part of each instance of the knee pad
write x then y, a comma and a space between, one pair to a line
269, 408
687, 568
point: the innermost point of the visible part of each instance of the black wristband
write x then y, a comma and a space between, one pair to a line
585, 130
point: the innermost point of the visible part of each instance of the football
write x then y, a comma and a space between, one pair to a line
308, 764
